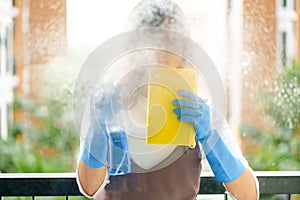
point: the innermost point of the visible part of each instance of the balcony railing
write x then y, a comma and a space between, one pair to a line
64, 184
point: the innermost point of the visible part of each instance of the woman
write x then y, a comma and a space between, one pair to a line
172, 172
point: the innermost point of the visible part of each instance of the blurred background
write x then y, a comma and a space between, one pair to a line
255, 45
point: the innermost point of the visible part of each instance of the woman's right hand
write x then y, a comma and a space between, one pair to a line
95, 147
103, 105
106, 101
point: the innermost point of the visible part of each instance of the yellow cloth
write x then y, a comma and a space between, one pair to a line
162, 124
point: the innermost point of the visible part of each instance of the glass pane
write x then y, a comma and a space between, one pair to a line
251, 43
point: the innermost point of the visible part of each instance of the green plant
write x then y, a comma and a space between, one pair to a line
282, 103
49, 137
278, 150
272, 152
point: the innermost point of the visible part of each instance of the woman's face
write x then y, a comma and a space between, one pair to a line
168, 59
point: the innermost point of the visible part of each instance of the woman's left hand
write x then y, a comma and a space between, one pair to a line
193, 109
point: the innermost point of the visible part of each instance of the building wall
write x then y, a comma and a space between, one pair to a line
39, 36
258, 64
297, 6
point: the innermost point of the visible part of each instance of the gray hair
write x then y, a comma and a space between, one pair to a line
160, 14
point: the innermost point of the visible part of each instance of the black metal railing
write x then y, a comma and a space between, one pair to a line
64, 184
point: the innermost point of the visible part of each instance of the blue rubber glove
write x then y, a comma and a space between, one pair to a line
95, 148
193, 109
106, 101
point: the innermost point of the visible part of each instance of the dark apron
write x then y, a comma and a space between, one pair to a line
179, 180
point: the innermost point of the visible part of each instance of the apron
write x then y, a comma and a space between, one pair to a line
179, 180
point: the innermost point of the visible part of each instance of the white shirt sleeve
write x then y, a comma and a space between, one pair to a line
234, 148
231, 143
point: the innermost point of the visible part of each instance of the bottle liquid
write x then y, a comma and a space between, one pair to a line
118, 156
